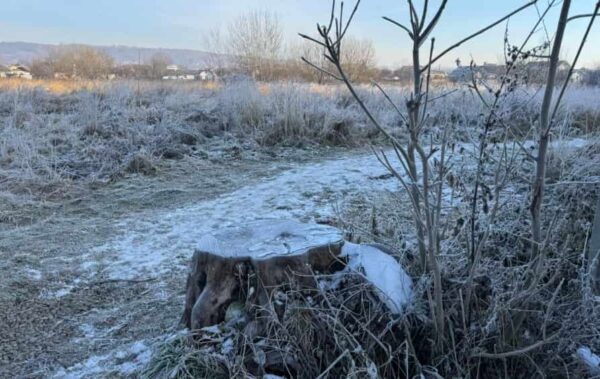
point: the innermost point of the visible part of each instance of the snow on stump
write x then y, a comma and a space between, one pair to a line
392, 284
247, 262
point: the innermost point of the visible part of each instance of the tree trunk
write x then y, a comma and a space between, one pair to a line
537, 190
594, 253
245, 264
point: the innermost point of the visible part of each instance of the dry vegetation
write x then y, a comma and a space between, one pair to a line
58, 135
57, 141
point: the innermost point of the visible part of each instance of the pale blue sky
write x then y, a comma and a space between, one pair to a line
181, 23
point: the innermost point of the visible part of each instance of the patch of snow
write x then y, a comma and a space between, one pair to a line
33, 274
136, 356
560, 144
372, 370
155, 242
227, 346
214, 329
61, 292
331, 282
384, 272
89, 331
58, 293
591, 360
262, 239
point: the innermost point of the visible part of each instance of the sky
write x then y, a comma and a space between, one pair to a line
183, 23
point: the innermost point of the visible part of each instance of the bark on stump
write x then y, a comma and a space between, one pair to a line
245, 263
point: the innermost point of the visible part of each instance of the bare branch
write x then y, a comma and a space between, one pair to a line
349, 20
480, 31
311, 39
400, 26
428, 80
320, 69
442, 95
433, 22
513, 353
583, 16
332, 16
387, 97
414, 19
423, 14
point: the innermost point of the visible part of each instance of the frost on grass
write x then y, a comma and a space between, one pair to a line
267, 238
118, 363
394, 286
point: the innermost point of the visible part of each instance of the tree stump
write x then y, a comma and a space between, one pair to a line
245, 263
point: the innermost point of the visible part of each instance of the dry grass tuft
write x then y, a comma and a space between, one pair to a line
341, 331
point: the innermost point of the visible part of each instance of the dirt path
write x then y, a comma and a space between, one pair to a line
92, 284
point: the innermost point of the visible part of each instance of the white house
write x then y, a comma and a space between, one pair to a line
206, 75
16, 71
178, 77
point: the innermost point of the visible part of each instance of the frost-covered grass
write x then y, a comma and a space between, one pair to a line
340, 331
512, 327
52, 141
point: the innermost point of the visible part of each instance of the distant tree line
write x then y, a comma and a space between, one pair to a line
253, 45
73, 61
86, 62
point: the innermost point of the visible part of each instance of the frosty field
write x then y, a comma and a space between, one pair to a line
106, 192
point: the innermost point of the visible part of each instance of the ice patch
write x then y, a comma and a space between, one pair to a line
384, 272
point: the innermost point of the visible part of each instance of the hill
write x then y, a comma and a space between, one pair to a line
25, 52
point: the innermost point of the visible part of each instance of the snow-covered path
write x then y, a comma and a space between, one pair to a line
154, 242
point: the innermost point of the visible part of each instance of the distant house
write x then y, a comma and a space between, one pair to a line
404, 74
206, 75
175, 72
179, 77
491, 71
438, 76
464, 74
488, 71
16, 71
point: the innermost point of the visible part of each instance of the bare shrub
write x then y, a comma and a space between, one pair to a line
497, 326
255, 39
